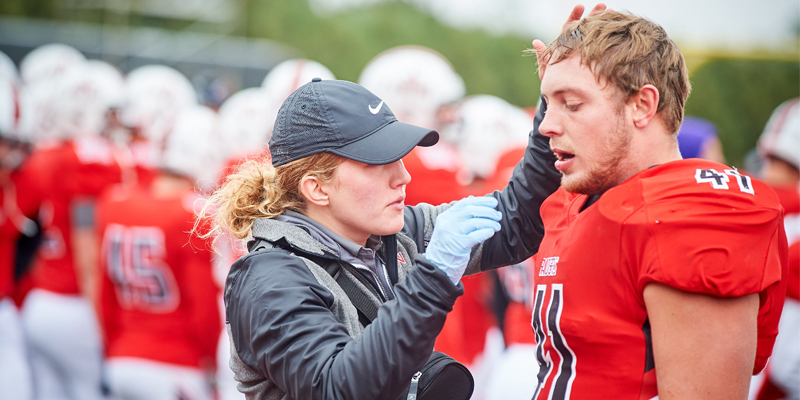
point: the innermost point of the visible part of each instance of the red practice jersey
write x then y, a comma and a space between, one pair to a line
433, 173
158, 299
790, 200
694, 225
69, 171
19, 204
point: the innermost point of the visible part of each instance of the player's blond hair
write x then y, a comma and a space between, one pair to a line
629, 52
256, 190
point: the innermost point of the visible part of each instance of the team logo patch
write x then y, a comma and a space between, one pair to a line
400, 258
549, 266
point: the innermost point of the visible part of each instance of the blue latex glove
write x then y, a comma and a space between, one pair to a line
457, 230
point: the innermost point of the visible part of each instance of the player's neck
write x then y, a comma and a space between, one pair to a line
654, 146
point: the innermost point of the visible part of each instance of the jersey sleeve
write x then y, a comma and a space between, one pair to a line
723, 242
720, 242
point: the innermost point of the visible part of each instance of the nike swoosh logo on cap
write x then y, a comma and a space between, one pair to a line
376, 109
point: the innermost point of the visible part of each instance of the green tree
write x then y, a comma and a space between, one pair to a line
738, 96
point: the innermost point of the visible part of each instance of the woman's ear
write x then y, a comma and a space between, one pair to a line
313, 190
644, 105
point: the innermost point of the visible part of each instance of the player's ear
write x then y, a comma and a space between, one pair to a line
313, 190
644, 105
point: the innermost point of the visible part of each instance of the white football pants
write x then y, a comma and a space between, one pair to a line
140, 379
64, 346
15, 372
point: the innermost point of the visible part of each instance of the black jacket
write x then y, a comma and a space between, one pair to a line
296, 335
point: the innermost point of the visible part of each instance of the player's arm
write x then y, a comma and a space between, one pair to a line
704, 346
85, 244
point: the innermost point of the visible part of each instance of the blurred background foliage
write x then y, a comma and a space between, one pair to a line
737, 93
738, 96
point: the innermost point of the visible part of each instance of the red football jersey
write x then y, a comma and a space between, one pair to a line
694, 225
8, 239
158, 299
433, 175
19, 203
70, 170
790, 200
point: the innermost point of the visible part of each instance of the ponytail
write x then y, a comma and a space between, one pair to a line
258, 190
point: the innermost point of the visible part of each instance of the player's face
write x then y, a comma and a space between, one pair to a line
587, 126
367, 199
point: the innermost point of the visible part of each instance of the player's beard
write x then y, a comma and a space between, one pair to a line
609, 166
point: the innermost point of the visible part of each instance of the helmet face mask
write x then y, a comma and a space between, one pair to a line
13, 153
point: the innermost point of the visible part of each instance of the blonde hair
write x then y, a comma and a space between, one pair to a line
256, 190
629, 52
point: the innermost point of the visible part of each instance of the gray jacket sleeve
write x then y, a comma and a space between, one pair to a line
534, 179
282, 326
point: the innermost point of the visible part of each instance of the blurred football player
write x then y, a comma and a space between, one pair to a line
17, 214
484, 129
779, 146
154, 95
75, 165
158, 301
697, 138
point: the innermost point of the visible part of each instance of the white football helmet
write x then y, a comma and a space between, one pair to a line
84, 97
155, 94
414, 81
484, 128
781, 136
246, 120
15, 144
49, 62
9, 109
7, 68
190, 148
286, 77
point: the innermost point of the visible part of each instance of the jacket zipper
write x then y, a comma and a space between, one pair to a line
374, 275
412, 389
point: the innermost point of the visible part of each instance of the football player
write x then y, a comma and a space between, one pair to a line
779, 146
657, 276
74, 165
158, 299
17, 214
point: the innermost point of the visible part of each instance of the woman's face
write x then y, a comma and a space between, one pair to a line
366, 199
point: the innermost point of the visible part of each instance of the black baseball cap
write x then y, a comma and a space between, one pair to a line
343, 118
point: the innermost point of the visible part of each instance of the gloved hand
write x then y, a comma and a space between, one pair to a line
457, 230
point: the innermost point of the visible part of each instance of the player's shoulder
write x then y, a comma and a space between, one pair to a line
706, 184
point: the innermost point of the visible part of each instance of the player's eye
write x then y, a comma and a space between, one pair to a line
572, 107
